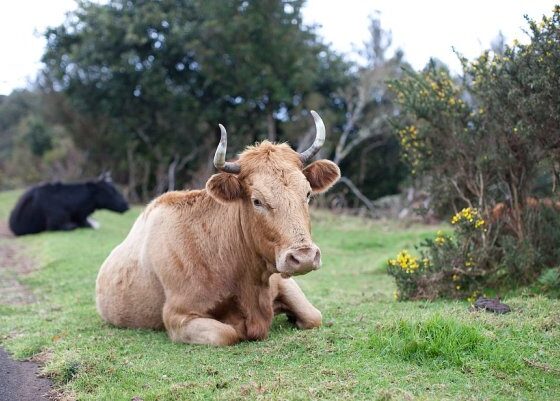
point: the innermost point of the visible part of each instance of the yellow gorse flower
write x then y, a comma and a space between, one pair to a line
405, 261
440, 239
413, 146
470, 215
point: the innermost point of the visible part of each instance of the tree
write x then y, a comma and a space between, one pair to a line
365, 148
149, 81
489, 142
33, 148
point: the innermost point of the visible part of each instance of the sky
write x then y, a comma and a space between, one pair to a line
422, 29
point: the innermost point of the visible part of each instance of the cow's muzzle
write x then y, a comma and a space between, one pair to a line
296, 261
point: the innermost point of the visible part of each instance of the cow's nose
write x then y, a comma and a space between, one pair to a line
300, 260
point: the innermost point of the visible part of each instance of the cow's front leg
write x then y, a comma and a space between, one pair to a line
60, 222
184, 328
88, 222
292, 301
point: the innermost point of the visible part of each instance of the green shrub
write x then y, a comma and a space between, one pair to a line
477, 255
549, 282
487, 144
448, 266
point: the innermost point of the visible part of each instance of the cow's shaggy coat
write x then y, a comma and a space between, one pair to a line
205, 264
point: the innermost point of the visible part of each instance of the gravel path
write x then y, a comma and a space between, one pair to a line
19, 381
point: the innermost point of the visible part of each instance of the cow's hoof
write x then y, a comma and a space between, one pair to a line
93, 223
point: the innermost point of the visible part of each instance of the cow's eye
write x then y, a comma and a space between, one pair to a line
257, 202
308, 196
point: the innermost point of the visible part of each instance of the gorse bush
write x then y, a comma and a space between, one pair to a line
488, 143
480, 254
448, 265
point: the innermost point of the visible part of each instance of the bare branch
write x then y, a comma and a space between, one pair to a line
369, 204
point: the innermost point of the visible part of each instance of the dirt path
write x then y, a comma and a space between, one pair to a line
13, 264
19, 381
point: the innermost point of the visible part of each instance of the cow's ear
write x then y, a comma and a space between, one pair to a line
321, 175
224, 187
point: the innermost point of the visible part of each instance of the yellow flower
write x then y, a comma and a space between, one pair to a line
473, 297
439, 240
468, 214
405, 261
458, 287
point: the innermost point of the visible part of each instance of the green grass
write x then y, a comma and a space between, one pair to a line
370, 347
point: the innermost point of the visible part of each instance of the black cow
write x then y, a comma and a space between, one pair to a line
57, 206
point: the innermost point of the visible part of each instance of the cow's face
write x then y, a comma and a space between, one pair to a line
273, 190
108, 197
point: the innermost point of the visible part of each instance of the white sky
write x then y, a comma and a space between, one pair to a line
421, 28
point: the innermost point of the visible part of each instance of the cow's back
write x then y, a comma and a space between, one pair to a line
27, 217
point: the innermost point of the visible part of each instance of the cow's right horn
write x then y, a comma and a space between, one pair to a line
319, 139
220, 156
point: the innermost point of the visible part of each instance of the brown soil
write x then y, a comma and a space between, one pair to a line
19, 380
13, 265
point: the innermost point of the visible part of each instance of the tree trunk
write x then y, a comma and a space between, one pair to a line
271, 125
146, 181
161, 178
132, 171
171, 173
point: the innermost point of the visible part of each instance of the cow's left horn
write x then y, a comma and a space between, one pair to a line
319, 139
220, 156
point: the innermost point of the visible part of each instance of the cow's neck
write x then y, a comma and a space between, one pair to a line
225, 227
259, 266
248, 269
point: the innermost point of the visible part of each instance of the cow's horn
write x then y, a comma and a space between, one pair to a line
220, 156
319, 139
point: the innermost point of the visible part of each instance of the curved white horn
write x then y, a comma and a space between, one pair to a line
220, 156
319, 139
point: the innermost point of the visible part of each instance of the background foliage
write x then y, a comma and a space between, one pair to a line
138, 87
489, 142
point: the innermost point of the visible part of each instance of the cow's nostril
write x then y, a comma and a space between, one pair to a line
292, 260
317, 259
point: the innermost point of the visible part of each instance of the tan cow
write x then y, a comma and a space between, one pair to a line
213, 266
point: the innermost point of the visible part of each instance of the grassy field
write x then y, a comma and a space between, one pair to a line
370, 347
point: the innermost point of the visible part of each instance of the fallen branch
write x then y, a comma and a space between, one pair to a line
369, 204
